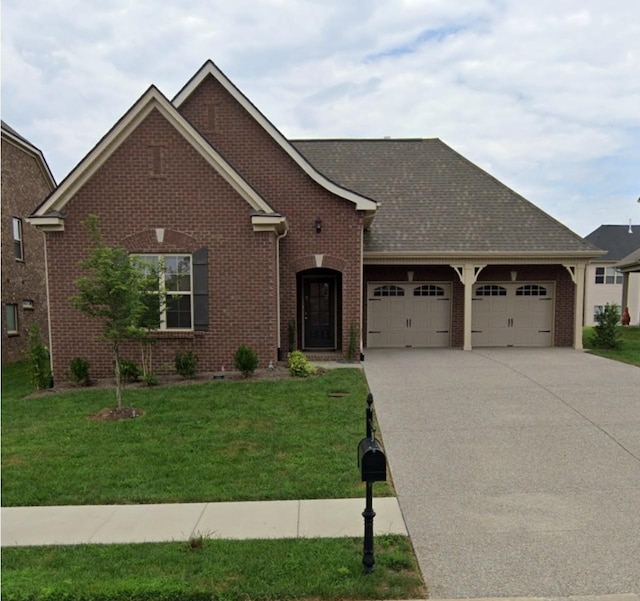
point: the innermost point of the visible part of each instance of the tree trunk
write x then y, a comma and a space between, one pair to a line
116, 354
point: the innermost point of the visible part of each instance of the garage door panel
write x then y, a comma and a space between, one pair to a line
512, 315
418, 315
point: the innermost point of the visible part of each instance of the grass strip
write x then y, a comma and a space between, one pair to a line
212, 569
629, 351
215, 441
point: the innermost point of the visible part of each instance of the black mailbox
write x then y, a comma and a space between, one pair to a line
372, 461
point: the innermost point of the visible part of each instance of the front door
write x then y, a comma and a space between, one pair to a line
319, 312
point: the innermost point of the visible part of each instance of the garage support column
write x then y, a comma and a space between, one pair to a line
468, 274
576, 271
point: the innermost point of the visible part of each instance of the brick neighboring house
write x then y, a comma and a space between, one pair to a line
381, 243
26, 181
604, 278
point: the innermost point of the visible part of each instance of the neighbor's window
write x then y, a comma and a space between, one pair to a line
12, 319
608, 275
597, 309
172, 282
18, 249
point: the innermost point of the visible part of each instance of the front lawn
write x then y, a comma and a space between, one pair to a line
629, 351
213, 569
215, 441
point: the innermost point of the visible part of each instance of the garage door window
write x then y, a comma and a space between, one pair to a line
531, 290
491, 290
388, 291
428, 290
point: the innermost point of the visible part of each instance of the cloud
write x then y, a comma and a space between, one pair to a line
543, 95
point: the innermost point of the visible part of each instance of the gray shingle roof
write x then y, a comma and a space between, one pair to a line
432, 199
616, 239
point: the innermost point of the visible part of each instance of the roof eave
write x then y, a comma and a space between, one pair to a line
494, 257
361, 203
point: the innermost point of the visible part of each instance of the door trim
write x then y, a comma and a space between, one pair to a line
334, 311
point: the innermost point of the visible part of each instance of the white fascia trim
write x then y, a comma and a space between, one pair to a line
47, 224
361, 203
435, 258
269, 223
36, 152
151, 100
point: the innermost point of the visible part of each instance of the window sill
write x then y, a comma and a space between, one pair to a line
171, 334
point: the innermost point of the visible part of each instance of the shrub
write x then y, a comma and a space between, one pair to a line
299, 365
186, 362
79, 372
129, 371
605, 334
38, 356
149, 379
245, 360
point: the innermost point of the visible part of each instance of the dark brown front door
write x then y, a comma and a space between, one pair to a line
319, 312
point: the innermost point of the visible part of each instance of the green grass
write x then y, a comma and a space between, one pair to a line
225, 570
630, 348
16, 380
216, 441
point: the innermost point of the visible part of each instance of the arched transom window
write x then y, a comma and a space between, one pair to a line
388, 290
531, 290
491, 290
428, 290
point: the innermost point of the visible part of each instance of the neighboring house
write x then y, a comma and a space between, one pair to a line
334, 243
604, 278
26, 181
630, 268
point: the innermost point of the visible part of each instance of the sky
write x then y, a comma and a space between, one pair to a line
543, 95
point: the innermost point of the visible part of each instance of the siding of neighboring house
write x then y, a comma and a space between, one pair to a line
25, 182
282, 183
598, 295
197, 209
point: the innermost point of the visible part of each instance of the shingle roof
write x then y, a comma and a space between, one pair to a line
432, 199
616, 239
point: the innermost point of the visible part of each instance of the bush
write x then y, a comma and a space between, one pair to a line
79, 372
186, 362
245, 360
38, 356
129, 371
605, 333
299, 365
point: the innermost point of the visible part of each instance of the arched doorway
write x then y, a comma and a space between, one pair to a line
319, 309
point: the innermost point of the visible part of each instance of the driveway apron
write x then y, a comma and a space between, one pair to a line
517, 470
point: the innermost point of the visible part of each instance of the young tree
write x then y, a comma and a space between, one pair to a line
605, 333
115, 291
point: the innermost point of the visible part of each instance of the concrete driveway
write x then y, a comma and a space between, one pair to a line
517, 470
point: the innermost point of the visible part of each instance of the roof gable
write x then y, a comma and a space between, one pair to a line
209, 69
13, 136
434, 201
51, 208
618, 240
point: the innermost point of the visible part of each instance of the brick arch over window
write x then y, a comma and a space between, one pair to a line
148, 241
319, 261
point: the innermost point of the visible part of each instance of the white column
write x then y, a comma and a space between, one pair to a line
468, 274
579, 306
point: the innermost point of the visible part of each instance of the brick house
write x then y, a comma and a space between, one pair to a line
26, 181
334, 243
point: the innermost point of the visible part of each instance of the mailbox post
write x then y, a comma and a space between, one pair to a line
373, 468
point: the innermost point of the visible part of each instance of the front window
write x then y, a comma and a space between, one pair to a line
171, 283
18, 249
608, 275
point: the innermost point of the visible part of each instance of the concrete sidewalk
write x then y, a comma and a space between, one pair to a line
104, 524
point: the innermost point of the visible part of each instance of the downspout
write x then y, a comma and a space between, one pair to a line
278, 238
46, 287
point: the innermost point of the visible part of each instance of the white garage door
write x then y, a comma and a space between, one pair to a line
414, 315
512, 315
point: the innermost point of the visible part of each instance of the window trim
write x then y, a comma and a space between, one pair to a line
162, 289
605, 274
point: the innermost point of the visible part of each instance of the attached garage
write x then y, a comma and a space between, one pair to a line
409, 315
513, 314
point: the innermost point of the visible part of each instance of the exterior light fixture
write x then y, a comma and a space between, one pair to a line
318, 225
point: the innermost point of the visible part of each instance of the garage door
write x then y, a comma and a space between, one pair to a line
408, 315
512, 315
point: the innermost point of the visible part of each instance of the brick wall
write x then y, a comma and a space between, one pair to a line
24, 186
132, 197
291, 192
